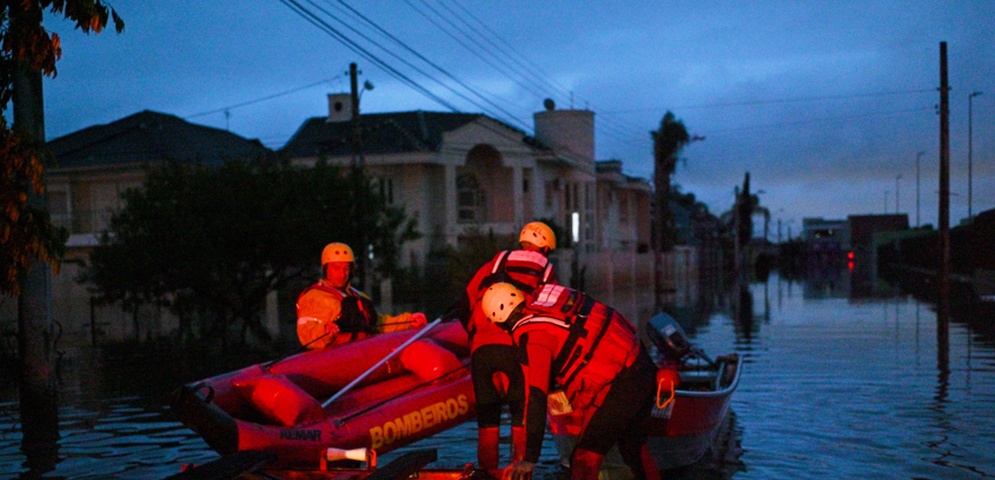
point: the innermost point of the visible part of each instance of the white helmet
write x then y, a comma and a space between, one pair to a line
500, 300
538, 234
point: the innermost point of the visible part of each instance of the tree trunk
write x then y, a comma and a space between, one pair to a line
39, 405
663, 242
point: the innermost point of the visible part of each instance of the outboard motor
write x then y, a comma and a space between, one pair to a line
669, 337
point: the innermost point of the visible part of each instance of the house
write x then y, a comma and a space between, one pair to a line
458, 173
455, 173
92, 167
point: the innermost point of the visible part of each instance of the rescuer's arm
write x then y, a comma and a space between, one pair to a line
401, 321
539, 348
316, 317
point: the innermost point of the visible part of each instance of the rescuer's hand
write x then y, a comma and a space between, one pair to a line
521, 470
418, 320
332, 329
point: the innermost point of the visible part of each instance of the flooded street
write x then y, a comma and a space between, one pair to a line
833, 387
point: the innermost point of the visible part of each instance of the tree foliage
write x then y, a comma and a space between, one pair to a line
26, 231
746, 205
668, 141
210, 244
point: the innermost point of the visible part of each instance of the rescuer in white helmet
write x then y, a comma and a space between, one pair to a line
584, 360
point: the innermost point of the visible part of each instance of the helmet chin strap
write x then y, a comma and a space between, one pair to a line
514, 317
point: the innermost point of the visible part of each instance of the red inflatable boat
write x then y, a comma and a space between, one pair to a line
378, 393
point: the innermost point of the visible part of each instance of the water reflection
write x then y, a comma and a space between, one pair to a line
834, 385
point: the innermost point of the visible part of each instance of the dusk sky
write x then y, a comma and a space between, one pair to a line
825, 103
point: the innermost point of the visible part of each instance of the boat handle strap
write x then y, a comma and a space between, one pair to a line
660, 390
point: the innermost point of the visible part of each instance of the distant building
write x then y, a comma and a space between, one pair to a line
457, 173
453, 172
92, 167
826, 241
865, 231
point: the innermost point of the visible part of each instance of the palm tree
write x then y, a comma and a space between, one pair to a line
667, 144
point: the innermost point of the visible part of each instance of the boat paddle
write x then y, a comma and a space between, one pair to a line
303, 348
415, 337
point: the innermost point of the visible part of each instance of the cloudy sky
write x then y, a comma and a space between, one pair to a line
826, 104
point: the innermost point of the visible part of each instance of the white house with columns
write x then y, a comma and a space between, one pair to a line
457, 173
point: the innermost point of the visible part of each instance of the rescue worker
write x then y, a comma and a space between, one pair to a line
494, 362
333, 312
580, 355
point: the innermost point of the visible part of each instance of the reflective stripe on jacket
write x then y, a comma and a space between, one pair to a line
595, 341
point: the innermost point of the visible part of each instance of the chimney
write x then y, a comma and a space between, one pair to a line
339, 107
571, 130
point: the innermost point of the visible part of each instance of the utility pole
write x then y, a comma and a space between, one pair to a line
918, 156
736, 248
357, 128
970, 146
358, 180
943, 303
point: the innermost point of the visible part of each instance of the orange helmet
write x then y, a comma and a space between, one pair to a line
538, 234
337, 252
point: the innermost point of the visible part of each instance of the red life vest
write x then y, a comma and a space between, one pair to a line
524, 269
358, 313
600, 342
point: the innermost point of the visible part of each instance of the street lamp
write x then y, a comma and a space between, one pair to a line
897, 178
764, 211
918, 156
970, 144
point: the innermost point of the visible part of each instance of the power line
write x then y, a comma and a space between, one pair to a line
780, 101
530, 67
421, 57
363, 52
263, 99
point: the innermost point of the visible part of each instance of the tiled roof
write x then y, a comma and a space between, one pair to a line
398, 132
151, 136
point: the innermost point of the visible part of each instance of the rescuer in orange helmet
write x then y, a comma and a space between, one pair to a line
494, 362
332, 311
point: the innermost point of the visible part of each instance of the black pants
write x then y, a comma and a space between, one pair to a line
487, 361
623, 417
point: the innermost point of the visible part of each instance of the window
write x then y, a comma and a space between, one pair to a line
470, 200
59, 208
387, 190
623, 208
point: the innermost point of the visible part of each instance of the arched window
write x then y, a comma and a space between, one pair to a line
470, 200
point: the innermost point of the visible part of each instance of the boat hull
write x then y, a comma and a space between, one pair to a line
682, 432
392, 407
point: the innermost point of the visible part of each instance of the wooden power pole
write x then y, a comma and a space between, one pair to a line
943, 302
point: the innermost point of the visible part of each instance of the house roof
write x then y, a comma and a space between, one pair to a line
611, 170
383, 133
151, 136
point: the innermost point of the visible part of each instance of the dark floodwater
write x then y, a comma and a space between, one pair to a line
834, 387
